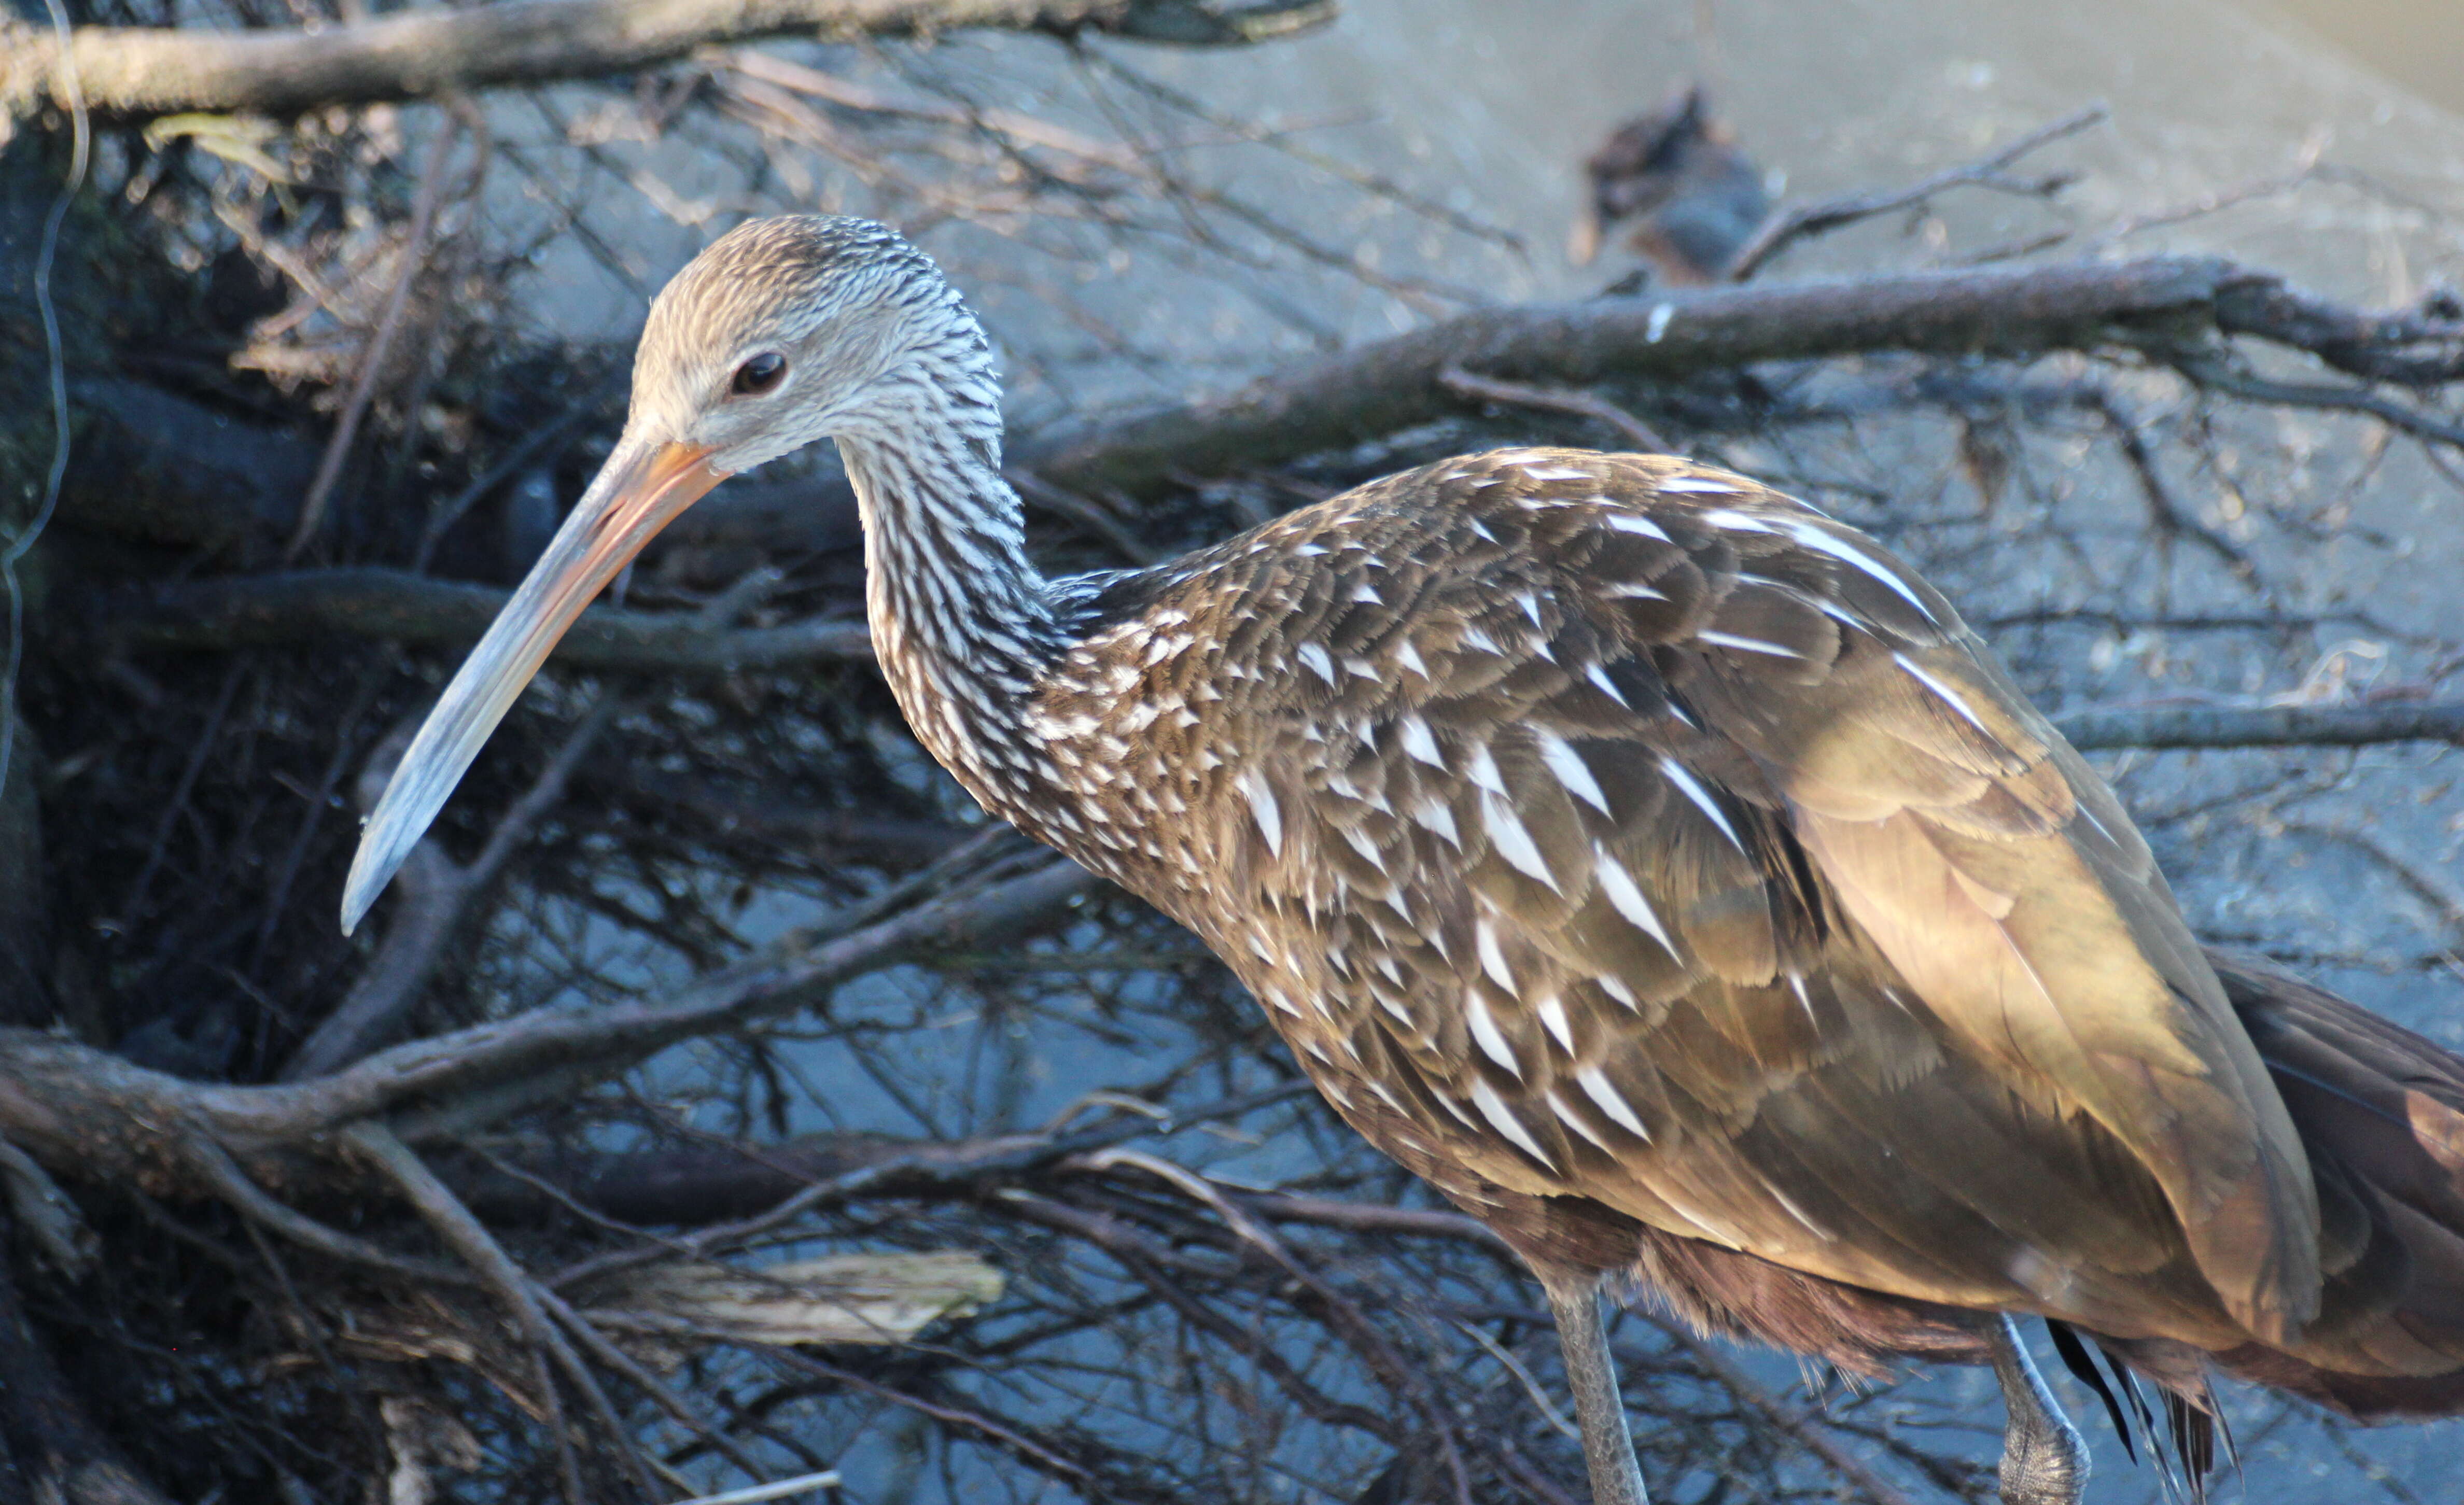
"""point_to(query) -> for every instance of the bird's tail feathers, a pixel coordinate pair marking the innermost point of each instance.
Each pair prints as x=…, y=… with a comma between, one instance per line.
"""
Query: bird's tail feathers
x=2381, y=1112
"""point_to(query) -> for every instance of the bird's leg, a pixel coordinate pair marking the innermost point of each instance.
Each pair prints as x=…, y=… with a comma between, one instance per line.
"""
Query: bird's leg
x=1583, y=1337
x=2044, y=1459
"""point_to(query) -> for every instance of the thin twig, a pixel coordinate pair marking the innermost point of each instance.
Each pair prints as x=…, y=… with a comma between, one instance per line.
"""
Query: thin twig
x=1344, y=1316
x=1555, y=399
x=2304, y=168
x=965, y=1166
x=588, y=1334
x=467, y=1236
x=1078, y=510
x=1009, y=1438
x=530, y=445
x=426, y=917
x=2171, y=518
x=1991, y=171
x=2439, y=899
x=132, y=912
x=223, y=1174
x=777, y=1489
x=2210, y=370
x=305, y=606
x=1794, y=1423
x=1374, y=184
x=380, y=345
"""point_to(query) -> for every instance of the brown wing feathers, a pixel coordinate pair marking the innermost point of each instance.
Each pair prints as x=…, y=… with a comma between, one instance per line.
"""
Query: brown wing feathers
x=1660, y=867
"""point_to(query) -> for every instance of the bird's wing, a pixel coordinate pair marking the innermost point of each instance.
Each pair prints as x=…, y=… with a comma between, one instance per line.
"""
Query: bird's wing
x=1621, y=828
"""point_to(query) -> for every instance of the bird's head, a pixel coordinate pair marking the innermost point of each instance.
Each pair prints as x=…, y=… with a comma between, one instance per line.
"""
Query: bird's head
x=800, y=328
x=783, y=332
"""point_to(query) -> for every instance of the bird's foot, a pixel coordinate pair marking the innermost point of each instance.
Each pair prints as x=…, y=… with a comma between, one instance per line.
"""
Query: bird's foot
x=2044, y=1459
x=2043, y=1468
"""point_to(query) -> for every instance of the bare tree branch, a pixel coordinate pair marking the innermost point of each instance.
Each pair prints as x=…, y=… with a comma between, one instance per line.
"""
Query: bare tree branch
x=304, y=605
x=132, y=71
x=702, y=1185
x=2174, y=308
x=87, y=1112
x=2224, y=376
x=1794, y=1421
x=2100, y=727
x=1376, y=389
x=1554, y=399
x=467, y=1236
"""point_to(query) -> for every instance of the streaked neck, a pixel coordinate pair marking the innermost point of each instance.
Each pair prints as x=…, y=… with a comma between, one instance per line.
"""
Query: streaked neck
x=962, y=623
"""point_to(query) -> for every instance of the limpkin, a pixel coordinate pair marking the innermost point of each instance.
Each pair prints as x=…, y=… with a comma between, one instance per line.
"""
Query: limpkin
x=1659, y=868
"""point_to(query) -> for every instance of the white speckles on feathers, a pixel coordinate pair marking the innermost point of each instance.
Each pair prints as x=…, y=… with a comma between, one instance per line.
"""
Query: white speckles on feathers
x=1946, y=695
x=1265, y=809
x=1822, y=541
x=1626, y=898
x=1629, y=522
x=1560, y=758
x=1575, y=1120
x=1471, y=776
x=1493, y=1108
x=1551, y=1010
x=1513, y=842
x=1596, y=1087
x=1484, y=1033
x=1730, y=639
x=1482, y=769
x=1492, y=959
x=1699, y=485
x=1692, y=788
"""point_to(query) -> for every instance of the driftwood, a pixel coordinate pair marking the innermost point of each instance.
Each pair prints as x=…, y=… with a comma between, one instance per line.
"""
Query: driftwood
x=1376, y=389
x=132, y=71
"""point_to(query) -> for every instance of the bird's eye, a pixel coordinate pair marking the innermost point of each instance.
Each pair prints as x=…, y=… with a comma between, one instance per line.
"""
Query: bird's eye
x=760, y=373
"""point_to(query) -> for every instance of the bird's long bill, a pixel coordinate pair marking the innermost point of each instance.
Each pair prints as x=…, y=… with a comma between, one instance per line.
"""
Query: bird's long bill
x=640, y=491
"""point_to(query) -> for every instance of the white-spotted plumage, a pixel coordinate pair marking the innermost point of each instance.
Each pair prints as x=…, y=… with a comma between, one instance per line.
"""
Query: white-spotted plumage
x=1656, y=866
